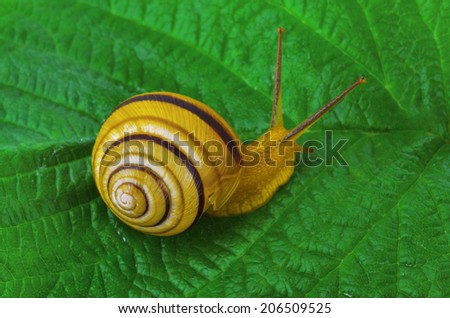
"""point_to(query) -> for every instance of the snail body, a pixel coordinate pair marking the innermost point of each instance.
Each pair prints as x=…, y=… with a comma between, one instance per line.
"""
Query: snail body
x=162, y=159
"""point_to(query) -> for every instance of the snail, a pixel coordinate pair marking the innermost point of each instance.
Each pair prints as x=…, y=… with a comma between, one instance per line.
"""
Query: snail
x=162, y=159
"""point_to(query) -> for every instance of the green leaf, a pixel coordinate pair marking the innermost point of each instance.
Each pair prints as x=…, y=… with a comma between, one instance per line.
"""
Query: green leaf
x=377, y=227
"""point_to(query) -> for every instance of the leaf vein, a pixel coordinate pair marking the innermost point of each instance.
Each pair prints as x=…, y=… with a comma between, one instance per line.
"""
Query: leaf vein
x=383, y=215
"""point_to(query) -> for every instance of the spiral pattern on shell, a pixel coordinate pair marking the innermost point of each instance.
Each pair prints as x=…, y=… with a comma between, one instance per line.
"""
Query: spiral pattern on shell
x=150, y=162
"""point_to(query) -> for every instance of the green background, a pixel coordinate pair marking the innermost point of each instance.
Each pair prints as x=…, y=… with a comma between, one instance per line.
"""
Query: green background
x=377, y=228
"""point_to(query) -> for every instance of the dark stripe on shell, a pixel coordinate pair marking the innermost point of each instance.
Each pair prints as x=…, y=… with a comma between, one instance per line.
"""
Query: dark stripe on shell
x=206, y=117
